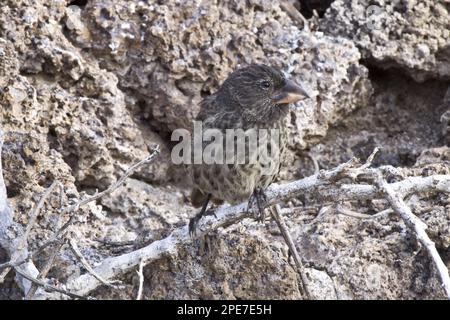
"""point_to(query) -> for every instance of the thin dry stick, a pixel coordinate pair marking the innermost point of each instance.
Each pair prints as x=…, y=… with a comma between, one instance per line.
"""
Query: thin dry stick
x=117, y=184
x=321, y=182
x=369, y=160
x=294, y=14
x=64, y=229
x=141, y=280
x=47, y=266
x=415, y=224
x=76, y=251
x=275, y=210
x=12, y=264
x=50, y=261
x=347, y=212
x=32, y=220
x=227, y=215
x=315, y=162
x=57, y=236
x=34, y=214
x=62, y=232
x=47, y=286
x=45, y=270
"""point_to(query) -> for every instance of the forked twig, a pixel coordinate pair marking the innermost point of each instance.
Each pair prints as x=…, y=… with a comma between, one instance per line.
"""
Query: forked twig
x=76, y=251
x=47, y=286
x=276, y=214
x=418, y=227
x=140, y=273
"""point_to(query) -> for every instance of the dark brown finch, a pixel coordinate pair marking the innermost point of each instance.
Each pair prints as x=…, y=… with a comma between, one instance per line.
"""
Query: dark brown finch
x=253, y=97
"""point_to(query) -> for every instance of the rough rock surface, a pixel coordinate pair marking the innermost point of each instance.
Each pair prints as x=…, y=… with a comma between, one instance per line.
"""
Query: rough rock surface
x=87, y=90
x=411, y=35
x=167, y=78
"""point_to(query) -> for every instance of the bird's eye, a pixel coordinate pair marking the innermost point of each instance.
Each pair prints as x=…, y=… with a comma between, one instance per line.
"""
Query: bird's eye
x=265, y=84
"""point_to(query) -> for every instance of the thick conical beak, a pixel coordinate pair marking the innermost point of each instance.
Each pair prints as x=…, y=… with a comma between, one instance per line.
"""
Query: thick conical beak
x=290, y=93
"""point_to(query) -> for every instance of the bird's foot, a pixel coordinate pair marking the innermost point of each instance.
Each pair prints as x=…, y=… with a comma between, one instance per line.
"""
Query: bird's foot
x=193, y=222
x=257, y=204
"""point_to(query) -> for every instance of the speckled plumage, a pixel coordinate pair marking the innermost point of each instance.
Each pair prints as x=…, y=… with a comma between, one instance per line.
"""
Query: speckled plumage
x=241, y=103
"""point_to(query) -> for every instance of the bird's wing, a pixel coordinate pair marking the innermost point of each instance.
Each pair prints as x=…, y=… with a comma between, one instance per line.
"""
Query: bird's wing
x=208, y=107
x=216, y=115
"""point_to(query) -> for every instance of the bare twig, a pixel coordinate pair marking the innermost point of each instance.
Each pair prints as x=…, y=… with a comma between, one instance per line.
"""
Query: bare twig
x=415, y=224
x=321, y=185
x=347, y=212
x=32, y=220
x=63, y=230
x=350, y=213
x=34, y=214
x=10, y=235
x=315, y=162
x=76, y=251
x=45, y=270
x=140, y=273
x=276, y=214
x=50, y=261
x=70, y=209
x=227, y=215
x=47, y=286
x=115, y=266
x=294, y=14
x=370, y=159
x=117, y=184
x=20, y=257
x=347, y=192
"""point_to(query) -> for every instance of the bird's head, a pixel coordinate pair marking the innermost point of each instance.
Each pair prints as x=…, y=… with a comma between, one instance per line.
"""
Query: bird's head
x=261, y=93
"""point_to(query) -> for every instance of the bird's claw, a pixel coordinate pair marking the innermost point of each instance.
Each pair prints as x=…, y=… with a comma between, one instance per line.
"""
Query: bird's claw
x=259, y=198
x=211, y=212
x=193, y=226
x=194, y=221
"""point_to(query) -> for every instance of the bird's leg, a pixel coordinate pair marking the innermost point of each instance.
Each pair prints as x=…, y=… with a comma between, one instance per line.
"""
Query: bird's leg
x=260, y=198
x=194, y=221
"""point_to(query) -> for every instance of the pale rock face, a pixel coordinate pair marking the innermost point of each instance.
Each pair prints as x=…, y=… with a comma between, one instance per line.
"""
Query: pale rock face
x=87, y=91
x=411, y=35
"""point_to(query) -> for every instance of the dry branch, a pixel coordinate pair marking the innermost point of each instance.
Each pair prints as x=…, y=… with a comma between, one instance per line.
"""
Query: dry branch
x=21, y=245
x=20, y=258
x=418, y=227
x=140, y=273
x=347, y=212
x=227, y=215
x=10, y=235
x=74, y=207
x=76, y=251
x=45, y=270
x=47, y=286
x=277, y=216
x=294, y=14
x=50, y=260
x=322, y=185
x=115, y=185
x=34, y=214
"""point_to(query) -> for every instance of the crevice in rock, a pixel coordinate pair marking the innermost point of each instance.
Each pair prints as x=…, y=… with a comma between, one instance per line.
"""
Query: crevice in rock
x=390, y=66
x=306, y=7
x=79, y=3
x=142, y=116
x=403, y=118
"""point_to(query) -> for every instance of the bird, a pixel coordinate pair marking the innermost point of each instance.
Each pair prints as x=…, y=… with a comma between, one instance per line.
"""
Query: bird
x=252, y=98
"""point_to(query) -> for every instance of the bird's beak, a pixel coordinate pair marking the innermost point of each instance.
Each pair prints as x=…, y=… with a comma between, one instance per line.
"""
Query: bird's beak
x=290, y=93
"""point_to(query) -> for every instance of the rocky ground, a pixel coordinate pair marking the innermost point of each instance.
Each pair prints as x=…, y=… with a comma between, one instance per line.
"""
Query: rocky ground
x=87, y=88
